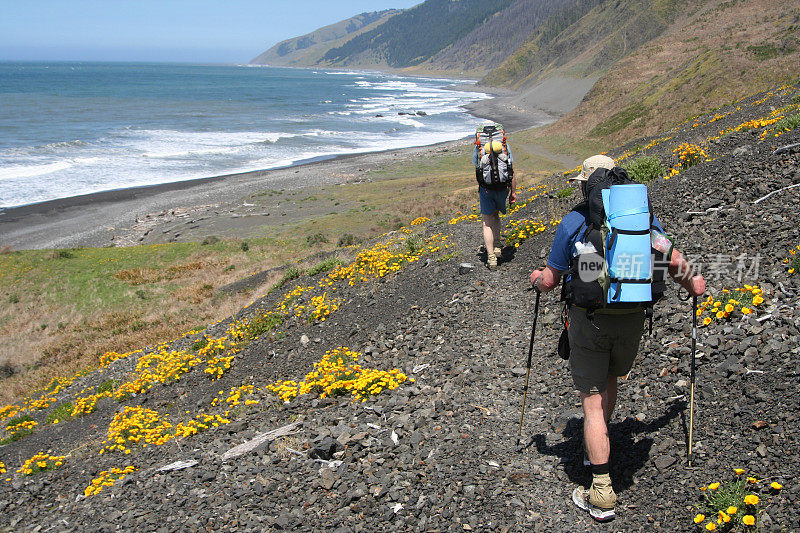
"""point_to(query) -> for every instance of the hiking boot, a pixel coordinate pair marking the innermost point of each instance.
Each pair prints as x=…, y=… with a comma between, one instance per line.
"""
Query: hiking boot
x=580, y=497
x=498, y=249
x=491, y=260
x=601, y=493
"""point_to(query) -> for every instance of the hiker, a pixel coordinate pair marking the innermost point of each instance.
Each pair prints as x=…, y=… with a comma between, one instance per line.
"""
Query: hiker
x=494, y=171
x=604, y=339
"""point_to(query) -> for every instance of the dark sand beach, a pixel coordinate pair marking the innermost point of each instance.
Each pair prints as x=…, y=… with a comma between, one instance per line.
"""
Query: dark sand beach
x=189, y=210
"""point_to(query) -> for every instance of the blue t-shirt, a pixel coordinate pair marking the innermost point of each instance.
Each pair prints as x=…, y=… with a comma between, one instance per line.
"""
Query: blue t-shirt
x=568, y=232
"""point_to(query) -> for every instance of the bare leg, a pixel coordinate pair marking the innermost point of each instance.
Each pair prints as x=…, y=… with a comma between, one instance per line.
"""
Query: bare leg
x=595, y=430
x=491, y=228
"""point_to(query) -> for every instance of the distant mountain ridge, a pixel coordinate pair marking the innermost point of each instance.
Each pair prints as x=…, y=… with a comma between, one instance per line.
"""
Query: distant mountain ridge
x=307, y=49
x=646, y=64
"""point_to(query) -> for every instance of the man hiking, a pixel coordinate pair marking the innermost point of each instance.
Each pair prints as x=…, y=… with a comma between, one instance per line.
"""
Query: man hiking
x=604, y=337
x=494, y=171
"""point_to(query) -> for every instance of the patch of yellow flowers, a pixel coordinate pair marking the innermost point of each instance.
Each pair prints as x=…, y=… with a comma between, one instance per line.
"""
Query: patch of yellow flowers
x=793, y=261
x=107, y=478
x=21, y=426
x=337, y=374
x=41, y=462
x=729, y=504
x=419, y=220
x=517, y=231
x=727, y=303
x=462, y=217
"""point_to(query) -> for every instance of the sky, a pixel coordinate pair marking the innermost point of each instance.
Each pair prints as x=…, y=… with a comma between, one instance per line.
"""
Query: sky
x=198, y=31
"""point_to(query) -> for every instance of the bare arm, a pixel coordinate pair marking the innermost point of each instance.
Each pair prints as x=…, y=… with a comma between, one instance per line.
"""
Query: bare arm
x=545, y=280
x=680, y=270
x=512, y=198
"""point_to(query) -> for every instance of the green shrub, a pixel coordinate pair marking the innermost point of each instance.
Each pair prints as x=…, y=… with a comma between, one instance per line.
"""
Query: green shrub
x=109, y=385
x=60, y=413
x=796, y=99
x=244, y=246
x=211, y=239
x=13, y=299
x=644, y=169
x=414, y=243
x=316, y=238
x=565, y=193
x=19, y=419
x=61, y=254
x=324, y=266
x=762, y=52
x=348, y=240
x=788, y=123
x=13, y=437
x=290, y=274
x=260, y=324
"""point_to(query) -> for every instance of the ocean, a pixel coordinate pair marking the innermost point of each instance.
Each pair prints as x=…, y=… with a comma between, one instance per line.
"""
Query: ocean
x=68, y=129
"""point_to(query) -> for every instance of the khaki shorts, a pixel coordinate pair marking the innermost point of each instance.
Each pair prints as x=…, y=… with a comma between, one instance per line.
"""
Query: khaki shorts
x=602, y=347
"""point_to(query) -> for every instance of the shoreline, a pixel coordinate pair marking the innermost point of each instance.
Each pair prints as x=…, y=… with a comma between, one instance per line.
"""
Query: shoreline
x=118, y=217
x=130, y=216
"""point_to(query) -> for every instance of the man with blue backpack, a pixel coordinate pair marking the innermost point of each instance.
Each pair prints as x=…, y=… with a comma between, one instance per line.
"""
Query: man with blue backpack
x=494, y=171
x=612, y=253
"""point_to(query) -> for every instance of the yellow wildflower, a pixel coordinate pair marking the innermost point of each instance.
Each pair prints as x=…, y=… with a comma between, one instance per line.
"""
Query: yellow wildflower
x=775, y=485
x=711, y=526
x=732, y=510
x=751, y=499
x=748, y=520
x=739, y=471
x=699, y=518
x=713, y=486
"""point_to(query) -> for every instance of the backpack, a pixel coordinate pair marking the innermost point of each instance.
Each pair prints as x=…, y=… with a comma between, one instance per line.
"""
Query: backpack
x=494, y=169
x=614, y=265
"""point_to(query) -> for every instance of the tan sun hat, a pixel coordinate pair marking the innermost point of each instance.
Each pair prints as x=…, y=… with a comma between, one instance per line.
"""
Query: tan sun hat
x=591, y=164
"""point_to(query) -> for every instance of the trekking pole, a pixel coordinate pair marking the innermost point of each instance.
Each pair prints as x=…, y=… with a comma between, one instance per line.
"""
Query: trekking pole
x=528, y=373
x=691, y=376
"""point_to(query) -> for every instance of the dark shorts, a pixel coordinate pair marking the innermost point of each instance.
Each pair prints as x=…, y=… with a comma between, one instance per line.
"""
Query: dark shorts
x=602, y=347
x=492, y=201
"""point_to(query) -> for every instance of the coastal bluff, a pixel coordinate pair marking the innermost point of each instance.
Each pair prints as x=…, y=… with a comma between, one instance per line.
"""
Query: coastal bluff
x=384, y=393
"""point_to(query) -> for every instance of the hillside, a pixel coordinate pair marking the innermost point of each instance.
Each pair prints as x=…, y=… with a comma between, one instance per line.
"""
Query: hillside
x=416, y=34
x=662, y=64
x=306, y=50
x=151, y=439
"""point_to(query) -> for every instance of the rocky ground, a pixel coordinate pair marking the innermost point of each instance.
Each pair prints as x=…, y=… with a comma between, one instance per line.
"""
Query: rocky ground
x=440, y=454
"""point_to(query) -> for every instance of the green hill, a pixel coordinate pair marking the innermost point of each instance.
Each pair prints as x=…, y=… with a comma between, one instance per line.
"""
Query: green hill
x=306, y=50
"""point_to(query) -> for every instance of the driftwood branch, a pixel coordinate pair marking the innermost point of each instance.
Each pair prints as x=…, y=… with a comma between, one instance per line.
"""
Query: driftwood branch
x=787, y=148
x=249, y=446
x=776, y=192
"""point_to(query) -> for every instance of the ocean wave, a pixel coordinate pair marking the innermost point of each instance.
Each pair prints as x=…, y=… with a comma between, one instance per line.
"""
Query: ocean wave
x=29, y=171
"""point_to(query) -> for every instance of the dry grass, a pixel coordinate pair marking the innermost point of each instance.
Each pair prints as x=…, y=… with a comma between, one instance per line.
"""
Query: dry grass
x=139, y=276
x=42, y=340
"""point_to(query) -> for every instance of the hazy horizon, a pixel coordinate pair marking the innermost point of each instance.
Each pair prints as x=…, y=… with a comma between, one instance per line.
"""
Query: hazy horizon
x=180, y=31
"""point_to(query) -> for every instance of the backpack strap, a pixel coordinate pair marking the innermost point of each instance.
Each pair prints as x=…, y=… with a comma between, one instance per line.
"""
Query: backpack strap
x=572, y=237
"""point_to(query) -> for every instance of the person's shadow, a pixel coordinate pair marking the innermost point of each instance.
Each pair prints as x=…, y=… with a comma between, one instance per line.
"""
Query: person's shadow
x=628, y=455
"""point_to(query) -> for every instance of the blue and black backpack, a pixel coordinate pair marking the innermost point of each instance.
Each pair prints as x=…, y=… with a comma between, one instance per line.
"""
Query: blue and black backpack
x=614, y=265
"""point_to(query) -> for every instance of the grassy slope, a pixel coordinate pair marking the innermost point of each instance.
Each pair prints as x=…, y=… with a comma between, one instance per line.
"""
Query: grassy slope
x=63, y=310
x=712, y=54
